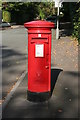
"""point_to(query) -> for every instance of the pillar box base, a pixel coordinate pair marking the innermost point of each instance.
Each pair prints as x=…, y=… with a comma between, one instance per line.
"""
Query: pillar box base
x=38, y=96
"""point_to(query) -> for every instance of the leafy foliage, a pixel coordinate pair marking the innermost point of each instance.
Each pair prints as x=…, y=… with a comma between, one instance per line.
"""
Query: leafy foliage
x=22, y=12
x=76, y=23
x=0, y=4
x=71, y=12
x=46, y=9
x=0, y=11
x=6, y=16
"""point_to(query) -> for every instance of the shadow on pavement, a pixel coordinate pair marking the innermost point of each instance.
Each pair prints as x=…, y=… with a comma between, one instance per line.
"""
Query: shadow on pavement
x=65, y=29
x=65, y=32
x=11, y=62
x=62, y=104
x=54, y=75
x=9, y=57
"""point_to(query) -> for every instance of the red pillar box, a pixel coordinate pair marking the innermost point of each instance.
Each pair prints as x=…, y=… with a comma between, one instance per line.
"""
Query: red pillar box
x=39, y=60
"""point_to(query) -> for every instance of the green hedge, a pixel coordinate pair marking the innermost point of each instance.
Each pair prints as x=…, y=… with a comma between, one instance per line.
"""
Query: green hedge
x=6, y=16
x=76, y=32
x=76, y=24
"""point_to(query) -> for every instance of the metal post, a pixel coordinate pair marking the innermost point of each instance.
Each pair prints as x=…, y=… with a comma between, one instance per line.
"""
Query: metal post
x=57, y=30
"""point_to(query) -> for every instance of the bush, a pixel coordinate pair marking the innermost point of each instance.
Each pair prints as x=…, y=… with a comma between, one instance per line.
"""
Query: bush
x=6, y=16
x=76, y=24
x=76, y=32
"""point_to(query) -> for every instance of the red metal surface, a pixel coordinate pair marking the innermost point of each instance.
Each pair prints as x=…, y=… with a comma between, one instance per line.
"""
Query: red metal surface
x=39, y=68
x=39, y=23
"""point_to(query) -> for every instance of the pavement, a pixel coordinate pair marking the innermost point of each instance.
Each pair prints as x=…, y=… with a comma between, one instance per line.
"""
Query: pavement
x=14, y=57
x=62, y=104
x=64, y=85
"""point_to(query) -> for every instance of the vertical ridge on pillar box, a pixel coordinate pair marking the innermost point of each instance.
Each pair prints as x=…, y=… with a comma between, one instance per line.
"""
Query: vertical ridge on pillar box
x=39, y=56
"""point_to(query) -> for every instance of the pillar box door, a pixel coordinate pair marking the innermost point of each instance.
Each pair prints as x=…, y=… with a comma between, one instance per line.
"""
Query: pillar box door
x=39, y=59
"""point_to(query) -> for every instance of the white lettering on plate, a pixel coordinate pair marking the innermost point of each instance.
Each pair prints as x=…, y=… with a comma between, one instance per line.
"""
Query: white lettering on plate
x=39, y=50
x=39, y=35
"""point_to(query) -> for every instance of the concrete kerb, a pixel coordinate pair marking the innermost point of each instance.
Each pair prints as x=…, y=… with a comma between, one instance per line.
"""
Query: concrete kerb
x=16, y=26
x=9, y=96
x=12, y=27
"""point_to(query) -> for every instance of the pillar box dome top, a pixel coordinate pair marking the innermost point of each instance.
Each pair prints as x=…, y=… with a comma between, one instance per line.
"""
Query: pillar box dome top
x=39, y=24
